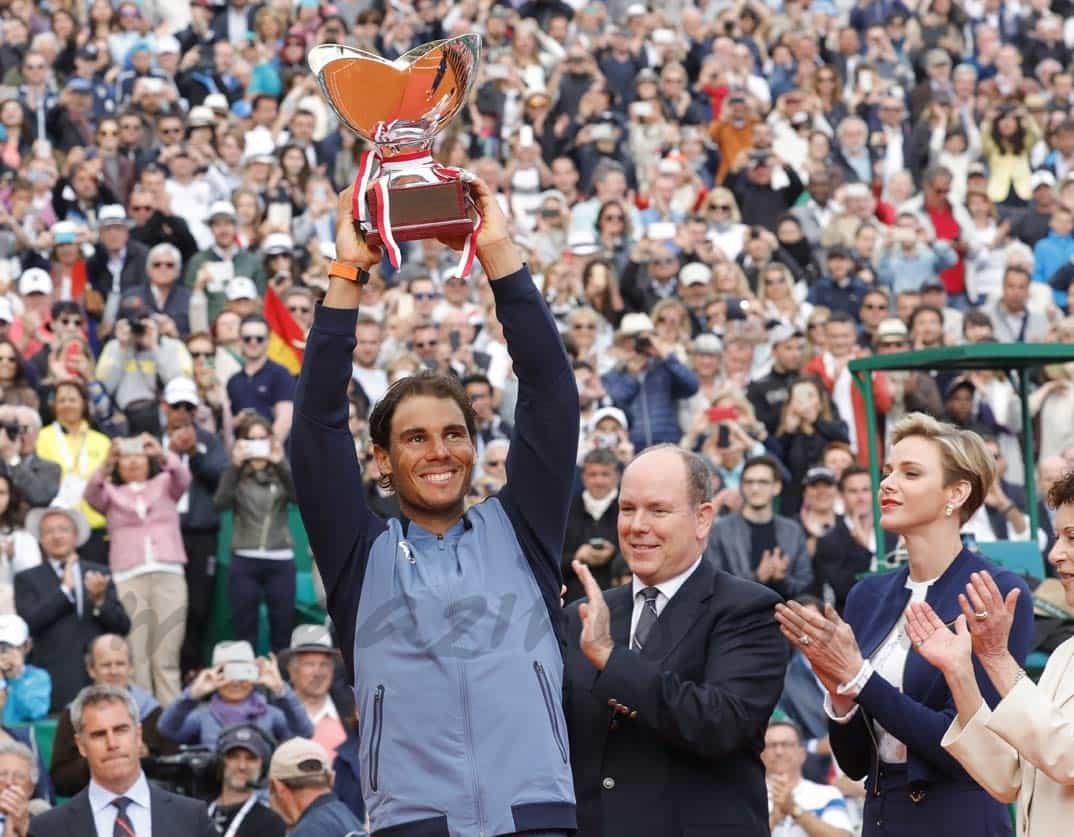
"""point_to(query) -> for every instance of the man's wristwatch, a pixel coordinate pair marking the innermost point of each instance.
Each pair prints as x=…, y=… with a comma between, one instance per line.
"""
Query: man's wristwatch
x=350, y=272
x=796, y=812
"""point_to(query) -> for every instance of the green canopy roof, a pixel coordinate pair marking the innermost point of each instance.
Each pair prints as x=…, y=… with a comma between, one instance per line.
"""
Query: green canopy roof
x=1011, y=356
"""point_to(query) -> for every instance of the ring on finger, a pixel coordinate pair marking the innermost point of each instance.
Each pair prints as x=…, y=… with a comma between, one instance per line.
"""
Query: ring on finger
x=980, y=616
x=804, y=640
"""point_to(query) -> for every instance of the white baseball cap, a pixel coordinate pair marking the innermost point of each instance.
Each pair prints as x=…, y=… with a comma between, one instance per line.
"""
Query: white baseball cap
x=608, y=412
x=276, y=243
x=220, y=209
x=695, y=273
x=13, y=630
x=181, y=391
x=633, y=324
x=241, y=287
x=35, y=281
x=112, y=215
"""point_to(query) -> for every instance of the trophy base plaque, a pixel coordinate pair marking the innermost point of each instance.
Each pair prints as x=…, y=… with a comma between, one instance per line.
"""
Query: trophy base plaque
x=423, y=210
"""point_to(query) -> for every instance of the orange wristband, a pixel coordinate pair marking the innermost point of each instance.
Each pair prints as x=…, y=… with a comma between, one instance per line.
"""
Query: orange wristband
x=345, y=270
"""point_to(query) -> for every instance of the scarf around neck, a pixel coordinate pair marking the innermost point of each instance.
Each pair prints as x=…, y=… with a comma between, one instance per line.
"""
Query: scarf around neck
x=247, y=710
x=595, y=508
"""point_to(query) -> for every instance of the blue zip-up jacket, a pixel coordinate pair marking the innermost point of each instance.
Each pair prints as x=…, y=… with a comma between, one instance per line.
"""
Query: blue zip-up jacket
x=453, y=641
x=651, y=402
x=1049, y=254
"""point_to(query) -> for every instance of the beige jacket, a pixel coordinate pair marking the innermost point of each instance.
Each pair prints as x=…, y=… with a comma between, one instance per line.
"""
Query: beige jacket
x=1024, y=749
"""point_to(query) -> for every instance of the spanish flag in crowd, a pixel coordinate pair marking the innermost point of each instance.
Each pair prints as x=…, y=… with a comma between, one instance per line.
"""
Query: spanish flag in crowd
x=286, y=339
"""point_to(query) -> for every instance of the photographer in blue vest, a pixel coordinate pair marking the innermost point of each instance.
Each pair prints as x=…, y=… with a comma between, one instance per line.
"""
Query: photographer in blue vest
x=449, y=619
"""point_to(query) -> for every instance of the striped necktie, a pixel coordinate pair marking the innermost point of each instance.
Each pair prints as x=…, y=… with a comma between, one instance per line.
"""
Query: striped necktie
x=123, y=827
x=647, y=619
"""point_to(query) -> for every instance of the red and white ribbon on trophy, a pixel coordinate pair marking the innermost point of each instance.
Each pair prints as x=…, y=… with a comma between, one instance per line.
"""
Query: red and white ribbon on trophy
x=420, y=164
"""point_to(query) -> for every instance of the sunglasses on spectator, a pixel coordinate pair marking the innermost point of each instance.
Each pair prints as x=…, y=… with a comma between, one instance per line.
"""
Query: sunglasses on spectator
x=145, y=208
x=612, y=217
x=184, y=405
x=104, y=132
x=423, y=296
x=720, y=207
x=584, y=326
x=201, y=355
x=254, y=338
x=162, y=264
x=875, y=306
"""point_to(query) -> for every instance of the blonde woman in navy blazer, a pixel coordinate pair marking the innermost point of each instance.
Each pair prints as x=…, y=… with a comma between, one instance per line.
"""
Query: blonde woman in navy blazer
x=888, y=708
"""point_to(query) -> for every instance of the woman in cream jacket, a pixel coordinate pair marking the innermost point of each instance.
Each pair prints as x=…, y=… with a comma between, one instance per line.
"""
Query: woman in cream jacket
x=1023, y=748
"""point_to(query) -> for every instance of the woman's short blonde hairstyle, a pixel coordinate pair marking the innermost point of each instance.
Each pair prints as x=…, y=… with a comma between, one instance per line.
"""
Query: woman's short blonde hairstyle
x=963, y=456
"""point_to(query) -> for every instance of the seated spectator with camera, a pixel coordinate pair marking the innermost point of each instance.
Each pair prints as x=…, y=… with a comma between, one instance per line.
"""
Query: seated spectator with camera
x=138, y=489
x=243, y=753
x=235, y=689
x=108, y=662
x=65, y=601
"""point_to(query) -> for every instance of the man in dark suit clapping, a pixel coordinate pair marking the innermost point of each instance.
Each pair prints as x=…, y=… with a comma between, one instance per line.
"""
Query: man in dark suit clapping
x=65, y=601
x=671, y=679
x=119, y=800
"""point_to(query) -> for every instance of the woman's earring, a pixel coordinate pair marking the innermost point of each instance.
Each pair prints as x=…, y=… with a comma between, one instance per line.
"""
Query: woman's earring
x=949, y=510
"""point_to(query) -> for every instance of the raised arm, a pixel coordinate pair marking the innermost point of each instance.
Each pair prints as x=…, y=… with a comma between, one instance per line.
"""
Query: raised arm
x=544, y=444
x=328, y=480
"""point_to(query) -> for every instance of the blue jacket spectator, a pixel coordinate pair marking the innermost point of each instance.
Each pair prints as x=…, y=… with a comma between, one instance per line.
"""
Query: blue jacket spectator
x=909, y=267
x=1053, y=251
x=649, y=385
x=27, y=688
x=225, y=694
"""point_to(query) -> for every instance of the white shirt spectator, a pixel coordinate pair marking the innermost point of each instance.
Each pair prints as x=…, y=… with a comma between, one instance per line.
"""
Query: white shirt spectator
x=822, y=801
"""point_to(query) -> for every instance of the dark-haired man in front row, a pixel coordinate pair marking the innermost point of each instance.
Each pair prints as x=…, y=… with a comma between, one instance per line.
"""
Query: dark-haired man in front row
x=671, y=679
x=118, y=799
x=449, y=619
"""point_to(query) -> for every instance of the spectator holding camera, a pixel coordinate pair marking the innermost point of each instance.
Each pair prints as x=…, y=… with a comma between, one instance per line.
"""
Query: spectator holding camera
x=257, y=487
x=235, y=689
x=35, y=479
x=908, y=260
x=649, y=384
x=592, y=537
x=138, y=489
x=136, y=364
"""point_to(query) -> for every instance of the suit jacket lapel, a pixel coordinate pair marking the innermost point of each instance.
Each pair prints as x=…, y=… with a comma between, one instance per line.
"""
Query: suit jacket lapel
x=740, y=544
x=680, y=613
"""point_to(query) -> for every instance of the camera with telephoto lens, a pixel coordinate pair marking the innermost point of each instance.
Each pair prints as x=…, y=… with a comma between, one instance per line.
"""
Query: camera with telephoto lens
x=12, y=429
x=642, y=344
x=190, y=772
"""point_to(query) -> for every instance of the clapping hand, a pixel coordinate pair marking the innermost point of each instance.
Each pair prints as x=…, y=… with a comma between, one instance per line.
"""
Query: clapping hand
x=596, y=639
x=988, y=616
x=942, y=648
x=774, y=565
x=826, y=641
x=96, y=585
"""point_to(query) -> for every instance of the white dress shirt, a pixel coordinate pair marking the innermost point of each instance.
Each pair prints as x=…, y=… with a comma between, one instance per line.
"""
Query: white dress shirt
x=667, y=589
x=104, y=812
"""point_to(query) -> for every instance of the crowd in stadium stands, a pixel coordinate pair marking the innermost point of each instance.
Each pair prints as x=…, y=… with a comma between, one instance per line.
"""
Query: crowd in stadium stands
x=722, y=203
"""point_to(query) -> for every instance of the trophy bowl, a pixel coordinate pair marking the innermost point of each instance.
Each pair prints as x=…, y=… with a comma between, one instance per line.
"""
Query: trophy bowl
x=400, y=106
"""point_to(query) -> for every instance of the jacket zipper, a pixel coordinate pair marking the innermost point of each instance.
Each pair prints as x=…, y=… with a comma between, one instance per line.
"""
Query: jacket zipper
x=268, y=517
x=378, y=732
x=465, y=694
x=550, y=706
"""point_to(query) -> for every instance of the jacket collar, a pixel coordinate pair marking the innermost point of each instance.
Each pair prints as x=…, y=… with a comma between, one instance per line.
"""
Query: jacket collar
x=675, y=619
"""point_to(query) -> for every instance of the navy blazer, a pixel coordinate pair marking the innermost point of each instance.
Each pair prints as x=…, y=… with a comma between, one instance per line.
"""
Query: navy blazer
x=920, y=714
